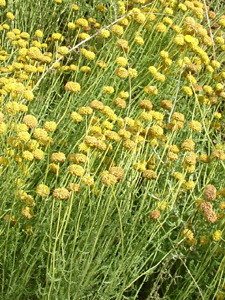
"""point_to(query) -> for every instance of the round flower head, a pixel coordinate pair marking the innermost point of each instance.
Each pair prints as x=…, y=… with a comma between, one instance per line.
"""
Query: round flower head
x=107, y=178
x=117, y=29
x=166, y=104
x=123, y=45
x=172, y=156
x=73, y=187
x=34, y=53
x=204, y=158
x=27, y=155
x=40, y=134
x=73, y=87
x=82, y=22
x=178, y=116
x=27, y=212
x=10, y=16
x=76, y=117
x=120, y=103
x=210, y=216
x=12, y=107
x=78, y=158
x=88, y=180
x=149, y=174
x=189, y=185
x=191, y=158
x=3, y=127
x=2, y=3
x=155, y=214
x=195, y=125
x=132, y=73
x=102, y=64
x=156, y=131
x=56, y=36
x=43, y=190
x=151, y=90
x=128, y=144
x=88, y=54
x=63, y=50
x=188, y=234
x=85, y=110
x=118, y=172
x=50, y=126
x=61, y=193
x=76, y=170
x=38, y=33
x=210, y=192
x=108, y=90
x=188, y=145
x=28, y=95
x=146, y=104
x=97, y=105
x=121, y=61
x=58, y=157
x=139, y=40
x=24, y=136
x=105, y=33
x=121, y=72
x=217, y=235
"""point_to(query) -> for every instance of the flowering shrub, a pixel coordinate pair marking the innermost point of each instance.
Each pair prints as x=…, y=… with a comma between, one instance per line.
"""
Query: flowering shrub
x=112, y=149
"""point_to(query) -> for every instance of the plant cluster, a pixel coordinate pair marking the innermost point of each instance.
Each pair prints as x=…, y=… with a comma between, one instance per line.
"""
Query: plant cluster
x=112, y=150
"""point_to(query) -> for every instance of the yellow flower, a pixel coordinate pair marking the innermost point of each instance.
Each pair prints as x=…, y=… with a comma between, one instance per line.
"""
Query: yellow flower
x=88, y=54
x=34, y=53
x=10, y=16
x=108, y=90
x=28, y=95
x=151, y=90
x=121, y=72
x=82, y=22
x=50, y=126
x=188, y=91
x=121, y=61
x=75, y=7
x=161, y=28
x=73, y=87
x=56, y=36
x=27, y=155
x=195, y=125
x=123, y=45
x=3, y=127
x=2, y=3
x=217, y=235
x=84, y=36
x=73, y=187
x=24, y=136
x=12, y=107
x=63, y=50
x=43, y=190
x=188, y=234
x=27, y=212
x=88, y=180
x=76, y=170
x=105, y=33
x=132, y=73
x=117, y=29
x=58, y=157
x=61, y=193
x=107, y=178
x=76, y=117
x=139, y=40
